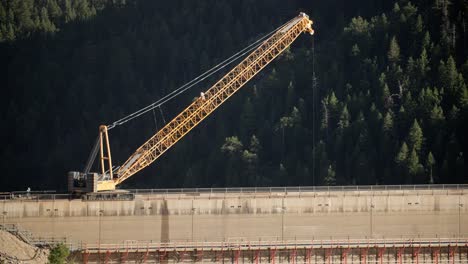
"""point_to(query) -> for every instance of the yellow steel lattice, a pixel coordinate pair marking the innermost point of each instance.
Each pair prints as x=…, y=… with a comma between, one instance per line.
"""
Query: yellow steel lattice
x=214, y=97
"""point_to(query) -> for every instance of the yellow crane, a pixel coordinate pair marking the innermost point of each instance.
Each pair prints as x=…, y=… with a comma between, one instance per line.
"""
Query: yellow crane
x=189, y=118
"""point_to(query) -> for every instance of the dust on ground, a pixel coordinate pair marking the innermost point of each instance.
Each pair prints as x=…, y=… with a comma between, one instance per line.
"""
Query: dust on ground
x=14, y=250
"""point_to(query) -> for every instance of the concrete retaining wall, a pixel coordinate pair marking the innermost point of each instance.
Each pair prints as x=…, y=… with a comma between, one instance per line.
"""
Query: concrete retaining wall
x=258, y=203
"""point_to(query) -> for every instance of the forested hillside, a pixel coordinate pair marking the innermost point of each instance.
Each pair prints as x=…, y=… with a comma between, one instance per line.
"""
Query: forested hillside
x=378, y=96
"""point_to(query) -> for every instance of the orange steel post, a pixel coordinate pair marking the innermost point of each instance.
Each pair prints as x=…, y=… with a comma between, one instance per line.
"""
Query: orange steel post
x=200, y=255
x=182, y=255
x=145, y=258
x=452, y=254
x=380, y=254
x=106, y=259
x=257, y=256
x=328, y=252
x=214, y=97
x=364, y=252
x=416, y=254
x=399, y=254
x=292, y=256
x=124, y=256
x=85, y=256
x=272, y=255
x=308, y=254
x=344, y=255
x=435, y=255
x=220, y=255
x=162, y=255
x=236, y=255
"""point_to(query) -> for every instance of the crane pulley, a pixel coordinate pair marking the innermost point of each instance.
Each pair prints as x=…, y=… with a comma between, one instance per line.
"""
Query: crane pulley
x=191, y=116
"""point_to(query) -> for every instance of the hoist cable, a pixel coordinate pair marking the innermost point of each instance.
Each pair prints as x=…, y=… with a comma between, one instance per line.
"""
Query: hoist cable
x=176, y=92
x=195, y=81
x=162, y=115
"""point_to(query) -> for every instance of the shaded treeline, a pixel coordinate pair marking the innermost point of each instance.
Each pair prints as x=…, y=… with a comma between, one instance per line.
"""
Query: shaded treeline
x=387, y=105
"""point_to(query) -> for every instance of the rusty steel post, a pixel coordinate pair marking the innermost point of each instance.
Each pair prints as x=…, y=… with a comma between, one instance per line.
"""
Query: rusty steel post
x=380, y=254
x=435, y=255
x=364, y=252
x=344, y=255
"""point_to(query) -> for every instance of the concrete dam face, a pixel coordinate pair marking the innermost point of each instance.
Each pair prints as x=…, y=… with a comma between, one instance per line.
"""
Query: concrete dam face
x=247, y=216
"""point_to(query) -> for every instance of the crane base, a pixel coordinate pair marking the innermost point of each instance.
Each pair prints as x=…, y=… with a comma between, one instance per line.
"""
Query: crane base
x=108, y=196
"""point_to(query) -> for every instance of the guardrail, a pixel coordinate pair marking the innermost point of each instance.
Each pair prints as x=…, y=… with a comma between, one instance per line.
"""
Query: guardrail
x=52, y=195
x=248, y=245
x=29, y=238
x=250, y=190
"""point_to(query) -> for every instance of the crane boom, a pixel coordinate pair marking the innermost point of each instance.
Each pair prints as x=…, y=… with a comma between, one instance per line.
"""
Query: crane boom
x=209, y=101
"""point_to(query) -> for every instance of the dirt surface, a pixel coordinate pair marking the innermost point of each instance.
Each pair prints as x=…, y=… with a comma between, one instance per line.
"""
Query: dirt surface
x=14, y=250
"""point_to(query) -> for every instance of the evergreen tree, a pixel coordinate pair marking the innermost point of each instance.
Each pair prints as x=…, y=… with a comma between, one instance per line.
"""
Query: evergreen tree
x=69, y=11
x=413, y=166
x=59, y=254
x=343, y=122
x=53, y=9
x=387, y=124
x=330, y=179
x=401, y=161
x=394, y=51
x=415, y=137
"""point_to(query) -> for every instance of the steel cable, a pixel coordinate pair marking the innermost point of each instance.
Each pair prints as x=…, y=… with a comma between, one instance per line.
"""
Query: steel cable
x=193, y=82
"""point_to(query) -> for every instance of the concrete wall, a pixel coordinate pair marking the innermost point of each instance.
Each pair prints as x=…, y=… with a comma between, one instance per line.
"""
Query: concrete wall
x=254, y=216
x=259, y=203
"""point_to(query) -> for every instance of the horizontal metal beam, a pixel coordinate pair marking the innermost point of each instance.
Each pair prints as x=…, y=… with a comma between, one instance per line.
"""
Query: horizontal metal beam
x=291, y=244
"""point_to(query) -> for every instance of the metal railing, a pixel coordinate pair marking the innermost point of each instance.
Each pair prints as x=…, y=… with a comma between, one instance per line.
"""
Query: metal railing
x=52, y=195
x=29, y=238
x=297, y=189
x=256, y=244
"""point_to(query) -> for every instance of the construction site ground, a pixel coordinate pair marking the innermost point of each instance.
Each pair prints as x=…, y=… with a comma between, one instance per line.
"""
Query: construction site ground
x=14, y=250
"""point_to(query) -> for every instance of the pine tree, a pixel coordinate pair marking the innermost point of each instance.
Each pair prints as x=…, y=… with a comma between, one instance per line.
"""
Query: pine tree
x=232, y=145
x=333, y=104
x=384, y=90
x=53, y=9
x=414, y=167
x=393, y=51
x=355, y=51
x=437, y=115
x=82, y=9
x=330, y=179
x=46, y=24
x=415, y=137
x=325, y=118
x=426, y=42
x=423, y=63
x=387, y=124
x=69, y=11
x=401, y=161
x=343, y=122
x=254, y=146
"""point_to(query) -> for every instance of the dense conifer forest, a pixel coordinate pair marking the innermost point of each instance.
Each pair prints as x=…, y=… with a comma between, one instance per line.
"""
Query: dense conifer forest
x=377, y=96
